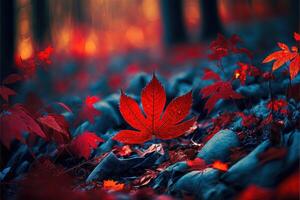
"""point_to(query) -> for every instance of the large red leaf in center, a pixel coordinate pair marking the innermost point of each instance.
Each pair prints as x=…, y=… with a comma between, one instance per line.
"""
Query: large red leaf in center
x=152, y=121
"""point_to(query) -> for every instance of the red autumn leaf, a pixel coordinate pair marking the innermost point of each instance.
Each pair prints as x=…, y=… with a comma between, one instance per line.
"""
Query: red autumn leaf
x=244, y=70
x=297, y=36
x=83, y=144
x=162, y=125
x=196, y=164
x=45, y=54
x=278, y=105
x=220, y=165
x=88, y=110
x=113, y=185
x=91, y=100
x=283, y=56
x=16, y=121
x=272, y=153
x=6, y=92
x=210, y=75
x=12, y=78
x=248, y=120
x=217, y=91
x=221, y=47
x=56, y=126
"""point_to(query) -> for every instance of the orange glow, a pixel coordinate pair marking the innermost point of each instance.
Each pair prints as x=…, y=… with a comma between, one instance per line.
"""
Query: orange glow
x=220, y=165
x=135, y=36
x=91, y=44
x=150, y=10
x=25, y=49
x=191, y=13
x=63, y=39
x=237, y=75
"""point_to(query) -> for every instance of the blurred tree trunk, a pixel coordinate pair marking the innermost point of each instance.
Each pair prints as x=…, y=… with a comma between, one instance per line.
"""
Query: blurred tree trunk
x=295, y=15
x=40, y=22
x=211, y=23
x=7, y=37
x=79, y=11
x=173, y=23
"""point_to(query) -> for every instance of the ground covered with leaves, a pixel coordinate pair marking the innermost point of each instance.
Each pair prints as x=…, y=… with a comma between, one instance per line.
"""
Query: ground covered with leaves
x=222, y=124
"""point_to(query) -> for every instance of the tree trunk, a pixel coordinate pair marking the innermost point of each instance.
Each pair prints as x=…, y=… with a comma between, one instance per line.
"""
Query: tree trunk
x=40, y=22
x=173, y=23
x=211, y=23
x=7, y=37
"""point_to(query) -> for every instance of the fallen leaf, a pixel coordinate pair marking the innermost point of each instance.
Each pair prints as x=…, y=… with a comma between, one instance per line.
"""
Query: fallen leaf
x=83, y=144
x=15, y=122
x=113, y=185
x=156, y=123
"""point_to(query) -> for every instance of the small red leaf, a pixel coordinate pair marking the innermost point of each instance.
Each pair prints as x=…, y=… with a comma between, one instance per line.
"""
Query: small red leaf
x=83, y=144
x=58, y=127
x=16, y=121
x=217, y=91
x=297, y=36
x=210, y=75
x=6, y=92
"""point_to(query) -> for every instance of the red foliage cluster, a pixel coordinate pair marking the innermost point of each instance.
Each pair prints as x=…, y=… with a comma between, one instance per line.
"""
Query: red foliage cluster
x=221, y=47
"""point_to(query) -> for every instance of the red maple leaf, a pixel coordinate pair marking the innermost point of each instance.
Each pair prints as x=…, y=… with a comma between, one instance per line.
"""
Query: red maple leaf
x=6, y=92
x=210, y=75
x=156, y=123
x=83, y=144
x=56, y=127
x=16, y=121
x=283, y=56
x=217, y=91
